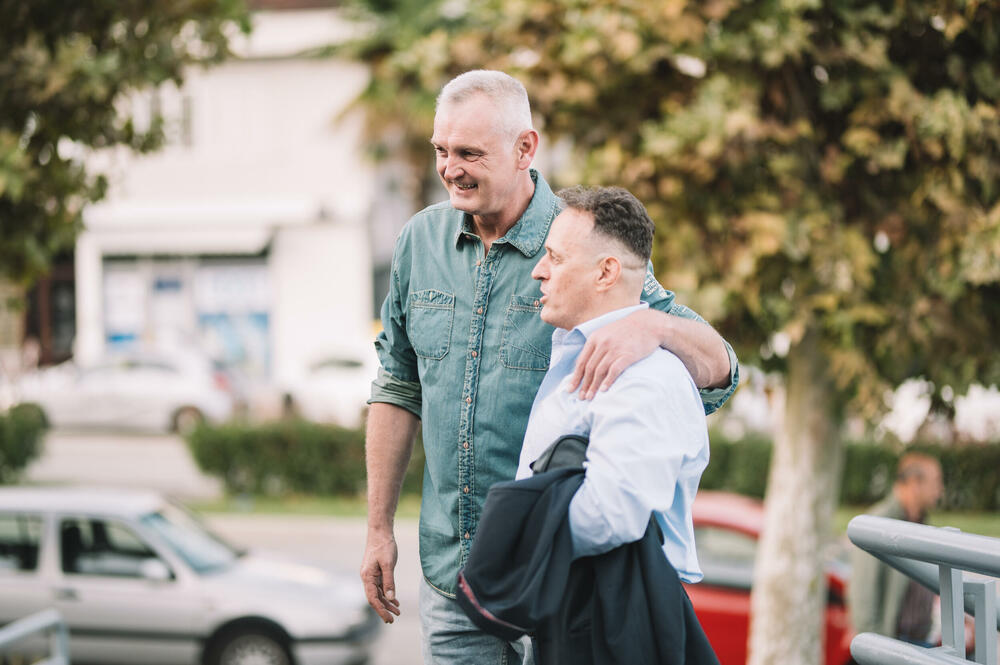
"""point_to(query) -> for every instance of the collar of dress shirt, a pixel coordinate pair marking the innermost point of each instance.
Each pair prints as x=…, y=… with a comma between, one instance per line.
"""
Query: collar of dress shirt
x=587, y=328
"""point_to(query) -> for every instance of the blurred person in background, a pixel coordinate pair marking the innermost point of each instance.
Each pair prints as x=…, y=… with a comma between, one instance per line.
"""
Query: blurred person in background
x=463, y=351
x=880, y=598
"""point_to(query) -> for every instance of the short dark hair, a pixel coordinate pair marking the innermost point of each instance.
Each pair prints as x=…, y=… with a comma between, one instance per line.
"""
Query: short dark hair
x=617, y=214
x=915, y=465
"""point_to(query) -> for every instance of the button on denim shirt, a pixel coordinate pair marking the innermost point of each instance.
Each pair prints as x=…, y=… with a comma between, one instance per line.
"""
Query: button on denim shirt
x=463, y=347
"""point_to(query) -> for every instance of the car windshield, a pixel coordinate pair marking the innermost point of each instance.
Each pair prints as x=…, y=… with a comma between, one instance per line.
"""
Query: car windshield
x=185, y=534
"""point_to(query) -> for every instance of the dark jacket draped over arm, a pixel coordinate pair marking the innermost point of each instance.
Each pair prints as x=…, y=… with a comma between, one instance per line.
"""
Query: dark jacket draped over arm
x=626, y=606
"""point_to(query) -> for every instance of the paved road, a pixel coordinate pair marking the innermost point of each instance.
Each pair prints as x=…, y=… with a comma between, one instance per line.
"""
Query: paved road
x=160, y=462
x=338, y=542
x=163, y=463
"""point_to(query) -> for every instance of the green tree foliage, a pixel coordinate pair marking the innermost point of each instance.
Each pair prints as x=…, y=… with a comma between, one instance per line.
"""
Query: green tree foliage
x=407, y=74
x=813, y=166
x=290, y=456
x=825, y=176
x=65, y=71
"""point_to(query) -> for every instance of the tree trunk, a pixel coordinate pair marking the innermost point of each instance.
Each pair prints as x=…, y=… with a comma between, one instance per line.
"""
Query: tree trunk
x=789, y=588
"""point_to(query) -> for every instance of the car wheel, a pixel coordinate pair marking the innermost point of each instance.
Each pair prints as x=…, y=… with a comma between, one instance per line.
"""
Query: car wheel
x=251, y=649
x=187, y=419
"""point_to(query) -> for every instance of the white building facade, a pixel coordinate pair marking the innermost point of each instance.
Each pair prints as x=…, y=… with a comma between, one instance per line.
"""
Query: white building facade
x=247, y=235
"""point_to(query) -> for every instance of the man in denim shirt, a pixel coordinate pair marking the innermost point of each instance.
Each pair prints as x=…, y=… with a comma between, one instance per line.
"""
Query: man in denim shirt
x=463, y=351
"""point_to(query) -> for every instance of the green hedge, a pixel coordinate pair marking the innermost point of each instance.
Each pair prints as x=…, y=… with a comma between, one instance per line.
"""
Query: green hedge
x=971, y=475
x=289, y=456
x=971, y=472
x=21, y=431
x=869, y=471
x=301, y=457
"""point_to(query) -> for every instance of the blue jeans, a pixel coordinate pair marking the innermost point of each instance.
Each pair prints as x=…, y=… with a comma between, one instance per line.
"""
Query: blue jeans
x=450, y=638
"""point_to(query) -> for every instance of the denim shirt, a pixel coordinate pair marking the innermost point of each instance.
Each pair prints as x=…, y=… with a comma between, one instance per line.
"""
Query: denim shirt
x=463, y=348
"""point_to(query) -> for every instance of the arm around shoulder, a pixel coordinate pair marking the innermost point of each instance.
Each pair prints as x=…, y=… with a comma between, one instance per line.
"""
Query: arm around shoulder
x=709, y=358
x=706, y=356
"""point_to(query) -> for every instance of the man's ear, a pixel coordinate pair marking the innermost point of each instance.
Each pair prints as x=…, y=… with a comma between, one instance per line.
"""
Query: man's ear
x=526, y=146
x=609, y=271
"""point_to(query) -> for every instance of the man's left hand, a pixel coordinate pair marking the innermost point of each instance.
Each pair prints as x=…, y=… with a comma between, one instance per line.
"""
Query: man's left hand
x=612, y=348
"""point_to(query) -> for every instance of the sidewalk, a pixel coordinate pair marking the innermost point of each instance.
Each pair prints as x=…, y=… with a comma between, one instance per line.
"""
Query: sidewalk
x=149, y=461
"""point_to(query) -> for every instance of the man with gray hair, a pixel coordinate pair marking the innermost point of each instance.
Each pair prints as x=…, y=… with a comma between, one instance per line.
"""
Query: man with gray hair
x=463, y=351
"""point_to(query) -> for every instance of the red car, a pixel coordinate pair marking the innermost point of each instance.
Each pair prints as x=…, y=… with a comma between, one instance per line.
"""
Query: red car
x=726, y=529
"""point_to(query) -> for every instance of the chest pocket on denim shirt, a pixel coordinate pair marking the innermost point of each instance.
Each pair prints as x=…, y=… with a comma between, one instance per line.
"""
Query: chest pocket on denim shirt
x=526, y=341
x=429, y=322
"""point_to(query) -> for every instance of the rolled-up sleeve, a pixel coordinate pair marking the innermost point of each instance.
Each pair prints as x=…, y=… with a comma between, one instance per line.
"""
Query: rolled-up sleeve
x=663, y=300
x=387, y=389
x=398, y=381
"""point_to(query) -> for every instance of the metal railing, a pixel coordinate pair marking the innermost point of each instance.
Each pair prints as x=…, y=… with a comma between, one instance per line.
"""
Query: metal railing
x=937, y=558
x=46, y=621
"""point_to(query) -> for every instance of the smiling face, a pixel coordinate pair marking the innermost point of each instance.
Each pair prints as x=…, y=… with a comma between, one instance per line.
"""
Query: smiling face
x=478, y=164
x=569, y=270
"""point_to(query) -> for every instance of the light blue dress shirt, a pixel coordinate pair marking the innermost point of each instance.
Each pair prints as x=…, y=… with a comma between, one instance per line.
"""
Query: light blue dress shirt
x=648, y=448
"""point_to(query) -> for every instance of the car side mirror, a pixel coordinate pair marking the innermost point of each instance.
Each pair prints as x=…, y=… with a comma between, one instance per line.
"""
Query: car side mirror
x=154, y=570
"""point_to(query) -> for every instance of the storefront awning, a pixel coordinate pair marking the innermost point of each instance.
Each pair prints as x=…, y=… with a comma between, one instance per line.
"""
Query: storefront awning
x=184, y=241
x=216, y=227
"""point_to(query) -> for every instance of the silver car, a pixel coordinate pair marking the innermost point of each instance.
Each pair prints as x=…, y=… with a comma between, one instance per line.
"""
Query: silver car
x=135, y=390
x=334, y=388
x=138, y=579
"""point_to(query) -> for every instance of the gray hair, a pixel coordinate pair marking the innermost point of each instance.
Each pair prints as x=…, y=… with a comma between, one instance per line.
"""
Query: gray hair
x=505, y=91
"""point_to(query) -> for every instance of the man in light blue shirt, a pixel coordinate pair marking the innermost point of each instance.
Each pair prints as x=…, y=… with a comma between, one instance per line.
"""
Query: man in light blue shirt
x=648, y=436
